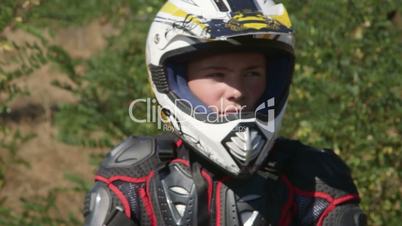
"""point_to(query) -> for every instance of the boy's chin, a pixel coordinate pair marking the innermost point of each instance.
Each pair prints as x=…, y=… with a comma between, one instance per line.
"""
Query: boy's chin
x=233, y=112
x=226, y=113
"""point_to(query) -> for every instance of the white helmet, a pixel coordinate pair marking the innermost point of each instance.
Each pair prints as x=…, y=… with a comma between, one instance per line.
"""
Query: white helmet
x=237, y=143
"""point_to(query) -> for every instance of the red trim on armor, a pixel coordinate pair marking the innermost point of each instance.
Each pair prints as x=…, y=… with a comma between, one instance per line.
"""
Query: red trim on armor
x=118, y=193
x=285, y=220
x=145, y=196
x=217, y=203
x=286, y=212
x=102, y=179
x=182, y=161
x=209, y=181
x=150, y=208
x=179, y=143
x=122, y=198
x=122, y=178
x=334, y=203
x=346, y=198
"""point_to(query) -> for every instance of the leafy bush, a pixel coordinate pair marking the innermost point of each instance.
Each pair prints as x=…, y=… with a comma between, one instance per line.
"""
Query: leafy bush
x=96, y=111
x=346, y=94
x=16, y=60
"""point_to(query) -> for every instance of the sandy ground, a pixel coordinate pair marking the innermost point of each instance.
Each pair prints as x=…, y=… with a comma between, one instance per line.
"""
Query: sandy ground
x=49, y=159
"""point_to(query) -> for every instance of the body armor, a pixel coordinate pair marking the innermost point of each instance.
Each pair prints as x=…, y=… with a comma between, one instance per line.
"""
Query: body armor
x=158, y=181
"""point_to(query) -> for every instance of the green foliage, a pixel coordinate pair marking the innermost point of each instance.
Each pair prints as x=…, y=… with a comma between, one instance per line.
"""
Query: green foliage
x=105, y=87
x=16, y=60
x=346, y=94
x=113, y=78
x=40, y=211
x=6, y=12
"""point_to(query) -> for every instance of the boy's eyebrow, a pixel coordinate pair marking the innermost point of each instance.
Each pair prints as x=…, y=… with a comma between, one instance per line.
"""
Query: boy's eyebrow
x=225, y=68
x=253, y=67
x=213, y=67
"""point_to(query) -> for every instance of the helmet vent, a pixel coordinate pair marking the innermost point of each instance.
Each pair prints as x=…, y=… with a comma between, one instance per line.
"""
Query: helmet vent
x=159, y=78
x=221, y=5
x=245, y=144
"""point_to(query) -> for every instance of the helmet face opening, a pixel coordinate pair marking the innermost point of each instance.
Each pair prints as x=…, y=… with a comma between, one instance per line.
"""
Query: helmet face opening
x=278, y=78
x=184, y=31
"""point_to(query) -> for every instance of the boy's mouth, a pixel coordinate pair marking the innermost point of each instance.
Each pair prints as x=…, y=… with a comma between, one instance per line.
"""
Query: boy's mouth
x=229, y=111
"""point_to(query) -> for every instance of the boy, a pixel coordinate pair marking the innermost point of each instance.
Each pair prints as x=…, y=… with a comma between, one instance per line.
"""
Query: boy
x=221, y=70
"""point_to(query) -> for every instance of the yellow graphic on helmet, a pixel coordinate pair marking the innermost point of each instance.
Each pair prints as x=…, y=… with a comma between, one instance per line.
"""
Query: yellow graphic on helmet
x=173, y=10
x=252, y=21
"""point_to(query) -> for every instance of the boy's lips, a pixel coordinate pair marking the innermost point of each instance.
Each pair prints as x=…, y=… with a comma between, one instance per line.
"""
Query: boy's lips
x=230, y=111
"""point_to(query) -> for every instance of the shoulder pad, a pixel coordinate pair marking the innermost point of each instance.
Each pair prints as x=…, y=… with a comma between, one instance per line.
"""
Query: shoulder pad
x=132, y=151
x=348, y=214
x=315, y=170
x=137, y=156
x=101, y=207
x=98, y=205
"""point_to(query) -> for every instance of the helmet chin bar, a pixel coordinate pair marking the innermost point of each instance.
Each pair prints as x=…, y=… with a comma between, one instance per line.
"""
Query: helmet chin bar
x=238, y=147
x=244, y=143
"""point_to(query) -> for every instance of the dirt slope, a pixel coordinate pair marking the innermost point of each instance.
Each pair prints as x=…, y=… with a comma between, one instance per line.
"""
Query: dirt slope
x=48, y=158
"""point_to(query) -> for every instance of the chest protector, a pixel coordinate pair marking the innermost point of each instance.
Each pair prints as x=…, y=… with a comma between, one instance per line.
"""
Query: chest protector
x=151, y=181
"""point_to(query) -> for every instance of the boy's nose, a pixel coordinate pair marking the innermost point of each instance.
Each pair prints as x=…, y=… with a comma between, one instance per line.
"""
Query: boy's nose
x=234, y=92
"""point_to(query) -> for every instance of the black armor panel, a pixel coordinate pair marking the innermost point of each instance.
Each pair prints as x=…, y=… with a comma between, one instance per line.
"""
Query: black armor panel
x=298, y=185
x=346, y=215
x=245, y=203
x=134, y=157
x=176, y=193
x=315, y=169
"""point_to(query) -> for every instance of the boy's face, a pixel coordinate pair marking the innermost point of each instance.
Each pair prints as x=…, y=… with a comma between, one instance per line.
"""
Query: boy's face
x=228, y=82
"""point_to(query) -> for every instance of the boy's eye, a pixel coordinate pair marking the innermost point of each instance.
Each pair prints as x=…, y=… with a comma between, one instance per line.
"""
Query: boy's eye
x=253, y=74
x=216, y=75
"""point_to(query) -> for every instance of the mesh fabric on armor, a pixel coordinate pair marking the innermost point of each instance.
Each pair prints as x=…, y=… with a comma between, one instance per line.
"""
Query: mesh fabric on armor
x=143, y=219
x=347, y=214
x=130, y=191
x=87, y=204
x=310, y=209
x=139, y=170
x=333, y=192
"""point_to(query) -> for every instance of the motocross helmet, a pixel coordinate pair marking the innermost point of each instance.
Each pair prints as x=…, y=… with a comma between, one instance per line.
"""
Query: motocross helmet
x=184, y=29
